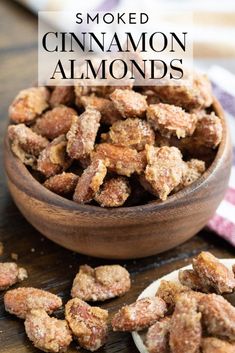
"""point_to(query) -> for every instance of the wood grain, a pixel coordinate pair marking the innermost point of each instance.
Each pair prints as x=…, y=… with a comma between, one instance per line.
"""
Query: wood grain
x=52, y=267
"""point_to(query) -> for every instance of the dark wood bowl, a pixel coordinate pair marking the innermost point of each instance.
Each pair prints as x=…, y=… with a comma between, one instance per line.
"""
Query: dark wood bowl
x=127, y=232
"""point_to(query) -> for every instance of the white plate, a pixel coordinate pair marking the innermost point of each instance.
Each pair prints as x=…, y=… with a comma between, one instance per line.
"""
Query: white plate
x=151, y=290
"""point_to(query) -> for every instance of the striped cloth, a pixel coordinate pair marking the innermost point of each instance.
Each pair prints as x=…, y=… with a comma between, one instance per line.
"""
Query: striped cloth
x=223, y=222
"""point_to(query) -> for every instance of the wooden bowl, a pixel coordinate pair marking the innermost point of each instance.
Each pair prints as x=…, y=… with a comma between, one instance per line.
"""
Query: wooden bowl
x=127, y=232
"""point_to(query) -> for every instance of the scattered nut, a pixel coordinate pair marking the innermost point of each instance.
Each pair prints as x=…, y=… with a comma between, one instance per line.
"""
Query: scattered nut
x=24, y=299
x=88, y=324
x=100, y=283
x=47, y=333
x=10, y=274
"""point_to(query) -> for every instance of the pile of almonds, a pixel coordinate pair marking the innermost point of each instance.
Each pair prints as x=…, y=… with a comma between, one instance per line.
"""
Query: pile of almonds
x=116, y=146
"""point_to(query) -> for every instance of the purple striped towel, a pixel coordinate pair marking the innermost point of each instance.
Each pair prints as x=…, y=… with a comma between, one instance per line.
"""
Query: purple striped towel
x=223, y=222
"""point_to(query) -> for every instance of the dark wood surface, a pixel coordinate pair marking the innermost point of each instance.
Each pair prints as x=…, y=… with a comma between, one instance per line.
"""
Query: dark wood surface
x=51, y=267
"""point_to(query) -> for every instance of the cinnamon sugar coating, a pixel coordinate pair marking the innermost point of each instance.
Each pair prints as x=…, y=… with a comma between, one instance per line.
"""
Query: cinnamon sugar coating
x=55, y=122
x=26, y=144
x=54, y=159
x=88, y=324
x=165, y=169
x=62, y=184
x=11, y=273
x=213, y=273
x=100, y=283
x=121, y=160
x=114, y=192
x=171, y=120
x=134, y=133
x=90, y=181
x=139, y=315
x=22, y=300
x=129, y=103
x=157, y=337
x=82, y=134
x=47, y=333
x=185, y=329
x=28, y=104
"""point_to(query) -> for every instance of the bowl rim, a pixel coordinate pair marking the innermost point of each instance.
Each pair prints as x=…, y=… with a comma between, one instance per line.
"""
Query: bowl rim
x=36, y=190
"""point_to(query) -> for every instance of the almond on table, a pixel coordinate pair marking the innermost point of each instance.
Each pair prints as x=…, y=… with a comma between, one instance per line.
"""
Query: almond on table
x=88, y=324
x=62, y=184
x=54, y=159
x=213, y=273
x=114, y=192
x=218, y=316
x=185, y=329
x=26, y=144
x=139, y=315
x=24, y=299
x=47, y=333
x=62, y=95
x=55, y=122
x=171, y=120
x=90, y=181
x=100, y=283
x=129, y=103
x=165, y=169
x=11, y=273
x=28, y=104
x=215, y=345
x=82, y=134
x=109, y=114
x=157, y=337
x=121, y=160
x=134, y=133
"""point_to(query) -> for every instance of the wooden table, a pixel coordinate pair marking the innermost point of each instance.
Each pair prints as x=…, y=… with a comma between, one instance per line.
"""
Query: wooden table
x=51, y=267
